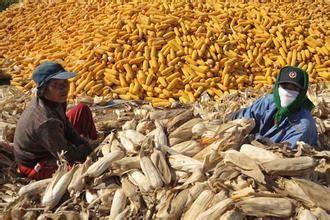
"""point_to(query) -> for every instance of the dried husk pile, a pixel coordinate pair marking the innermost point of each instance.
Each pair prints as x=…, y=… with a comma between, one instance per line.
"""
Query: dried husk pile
x=182, y=163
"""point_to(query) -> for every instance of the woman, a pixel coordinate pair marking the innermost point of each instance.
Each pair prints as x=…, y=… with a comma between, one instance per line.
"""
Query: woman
x=44, y=131
x=284, y=116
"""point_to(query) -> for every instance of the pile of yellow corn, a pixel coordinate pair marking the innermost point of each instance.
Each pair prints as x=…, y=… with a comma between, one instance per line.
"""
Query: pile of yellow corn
x=163, y=51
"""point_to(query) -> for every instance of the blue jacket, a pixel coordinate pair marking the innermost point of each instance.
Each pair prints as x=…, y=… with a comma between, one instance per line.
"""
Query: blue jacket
x=299, y=126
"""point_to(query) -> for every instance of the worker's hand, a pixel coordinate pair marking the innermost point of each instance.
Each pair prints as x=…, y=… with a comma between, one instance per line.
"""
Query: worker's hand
x=93, y=143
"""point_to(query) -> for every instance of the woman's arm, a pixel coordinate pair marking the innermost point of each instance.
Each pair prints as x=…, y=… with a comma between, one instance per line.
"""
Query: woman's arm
x=52, y=137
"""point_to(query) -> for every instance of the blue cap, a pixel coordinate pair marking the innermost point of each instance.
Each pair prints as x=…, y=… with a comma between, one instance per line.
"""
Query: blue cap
x=50, y=70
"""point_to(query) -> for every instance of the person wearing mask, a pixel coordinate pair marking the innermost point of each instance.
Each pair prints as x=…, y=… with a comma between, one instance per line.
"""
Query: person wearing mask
x=283, y=116
x=44, y=130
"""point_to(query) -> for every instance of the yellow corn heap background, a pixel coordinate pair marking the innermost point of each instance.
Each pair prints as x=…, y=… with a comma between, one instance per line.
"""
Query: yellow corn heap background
x=164, y=51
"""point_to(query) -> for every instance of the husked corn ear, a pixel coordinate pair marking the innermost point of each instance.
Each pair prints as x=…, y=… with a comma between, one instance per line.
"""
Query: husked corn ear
x=140, y=180
x=57, y=187
x=161, y=165
x=150, y=171
x=118, y=203
x=101, y=165
x=199, y=205
x=160, y=59
x=34, y=187
x=160, y=136
x=134, y=136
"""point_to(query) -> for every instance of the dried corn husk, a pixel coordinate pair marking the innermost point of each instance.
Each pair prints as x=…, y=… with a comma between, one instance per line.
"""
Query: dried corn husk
x=296, y=192
x=144, y=127
x=126, y=163
x=289, y=166
x=179, y=120
x=76, y=184
x=216, y=210
x=183, y=133
x=266, y=206
x=232, y=215
x=188, y=148
x=161, y=164
x=315, y=192
x=129, y=125
x=130, y=190
x=244, y=164
x=199, y=205
x=320, y=214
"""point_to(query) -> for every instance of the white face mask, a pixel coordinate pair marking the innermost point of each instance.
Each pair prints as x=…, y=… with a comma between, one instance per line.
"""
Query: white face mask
x=287, y=96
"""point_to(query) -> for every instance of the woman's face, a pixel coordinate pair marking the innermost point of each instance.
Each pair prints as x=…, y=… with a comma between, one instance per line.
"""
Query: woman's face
x=57, y=90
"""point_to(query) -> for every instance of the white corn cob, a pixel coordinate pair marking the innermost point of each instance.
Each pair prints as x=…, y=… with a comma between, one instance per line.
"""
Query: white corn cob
x=97, y=168
x=160, y=163
x=56, y=189
x=140, y=180
x=188, y=148
x=134, y=136
x=160, y=136
x=34, y=187
x=118, y=203
x=184, y=163
x=257, y=153
x=199, y=205
x=150, y=171
x=126, y=143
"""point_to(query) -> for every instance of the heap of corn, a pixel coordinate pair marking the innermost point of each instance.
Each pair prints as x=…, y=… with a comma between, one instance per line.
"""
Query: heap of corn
x=181, y=164
x=164, y=51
